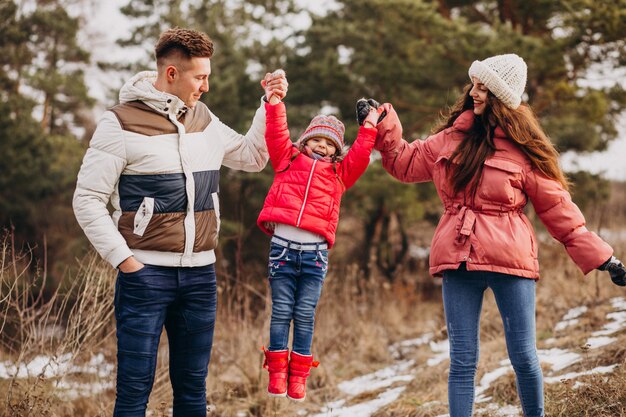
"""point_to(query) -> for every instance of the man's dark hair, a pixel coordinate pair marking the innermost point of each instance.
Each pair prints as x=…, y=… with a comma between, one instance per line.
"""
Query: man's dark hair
x=186, y=43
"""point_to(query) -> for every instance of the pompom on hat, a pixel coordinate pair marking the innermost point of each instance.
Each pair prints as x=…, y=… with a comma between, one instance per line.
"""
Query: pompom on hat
x=504, y=76
x=328, y=127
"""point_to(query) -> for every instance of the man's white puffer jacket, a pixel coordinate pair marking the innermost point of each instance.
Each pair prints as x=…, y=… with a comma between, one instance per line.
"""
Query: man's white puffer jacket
x=157, y=161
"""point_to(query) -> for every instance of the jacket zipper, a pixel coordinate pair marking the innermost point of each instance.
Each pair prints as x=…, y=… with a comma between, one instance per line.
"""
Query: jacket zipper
x=306, y=193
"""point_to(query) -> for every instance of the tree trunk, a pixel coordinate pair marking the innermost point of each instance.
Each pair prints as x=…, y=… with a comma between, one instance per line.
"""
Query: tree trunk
x=506, y=9
x=371, y=240
x=45, y=119
x=392, y=247
x=443, y=9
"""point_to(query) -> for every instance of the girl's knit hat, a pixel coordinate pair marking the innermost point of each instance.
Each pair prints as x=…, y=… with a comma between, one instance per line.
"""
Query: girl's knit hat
x=504, y=76
x=328, y=127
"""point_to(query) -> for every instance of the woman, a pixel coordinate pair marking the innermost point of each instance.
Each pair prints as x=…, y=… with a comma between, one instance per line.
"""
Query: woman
x=487, y=160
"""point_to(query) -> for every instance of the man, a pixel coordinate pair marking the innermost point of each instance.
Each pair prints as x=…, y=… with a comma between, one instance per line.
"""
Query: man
x=156, y=157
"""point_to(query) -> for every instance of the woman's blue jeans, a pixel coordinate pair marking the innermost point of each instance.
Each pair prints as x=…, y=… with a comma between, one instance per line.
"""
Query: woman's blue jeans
x=184, y=300
x=296, y=278
x=515, y=296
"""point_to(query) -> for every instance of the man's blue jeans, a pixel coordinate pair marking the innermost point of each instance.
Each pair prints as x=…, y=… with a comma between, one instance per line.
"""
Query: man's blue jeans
x=515, y=296
x=184, y=300
x=296, y=278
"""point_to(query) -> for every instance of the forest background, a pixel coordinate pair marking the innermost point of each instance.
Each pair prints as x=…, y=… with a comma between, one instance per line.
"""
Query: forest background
x=412, y=53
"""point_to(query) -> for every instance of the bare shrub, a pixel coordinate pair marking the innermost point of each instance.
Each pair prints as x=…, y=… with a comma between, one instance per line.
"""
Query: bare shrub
x=53, y=324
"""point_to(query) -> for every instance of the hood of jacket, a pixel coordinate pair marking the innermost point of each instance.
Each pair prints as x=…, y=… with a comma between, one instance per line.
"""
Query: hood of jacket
x=141, y=87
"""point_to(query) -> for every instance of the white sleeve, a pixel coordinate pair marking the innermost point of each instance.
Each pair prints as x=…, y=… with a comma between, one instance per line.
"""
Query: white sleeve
x=246, y=152
x=98, y=176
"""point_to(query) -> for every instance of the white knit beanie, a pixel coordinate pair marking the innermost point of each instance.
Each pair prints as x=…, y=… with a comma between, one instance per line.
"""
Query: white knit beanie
x=504, y=76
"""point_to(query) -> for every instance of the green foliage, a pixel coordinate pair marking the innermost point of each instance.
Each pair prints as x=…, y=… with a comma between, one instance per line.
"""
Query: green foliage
x=43, y=102
x=56, y=70
x=590, y=191
x=25, y=165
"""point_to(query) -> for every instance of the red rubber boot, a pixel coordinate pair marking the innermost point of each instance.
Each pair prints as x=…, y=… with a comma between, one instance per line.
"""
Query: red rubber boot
x=277, y=364
x=299, y=370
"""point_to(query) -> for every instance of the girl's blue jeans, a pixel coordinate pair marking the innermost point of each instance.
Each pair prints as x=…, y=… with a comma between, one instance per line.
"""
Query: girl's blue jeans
x=296, y=278
x=184, y=300
x=515, y=296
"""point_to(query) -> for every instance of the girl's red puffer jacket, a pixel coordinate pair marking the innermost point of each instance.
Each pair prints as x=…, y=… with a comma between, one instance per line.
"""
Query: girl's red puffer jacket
x=306, y=193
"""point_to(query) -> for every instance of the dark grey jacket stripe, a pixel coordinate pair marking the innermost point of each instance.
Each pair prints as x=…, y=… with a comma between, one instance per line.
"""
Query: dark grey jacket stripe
x=168, y=191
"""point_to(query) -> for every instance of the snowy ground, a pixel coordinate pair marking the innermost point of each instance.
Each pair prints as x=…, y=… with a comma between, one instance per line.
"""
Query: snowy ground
x=386, y=384
x=395, y=377
x=65, y=374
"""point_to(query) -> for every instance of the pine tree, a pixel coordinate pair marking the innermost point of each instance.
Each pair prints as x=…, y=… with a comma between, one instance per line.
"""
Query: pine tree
x=43, y=106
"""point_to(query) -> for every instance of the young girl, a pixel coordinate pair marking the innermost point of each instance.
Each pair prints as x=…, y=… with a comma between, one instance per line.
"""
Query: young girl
x=301, y=212
x=487, y=161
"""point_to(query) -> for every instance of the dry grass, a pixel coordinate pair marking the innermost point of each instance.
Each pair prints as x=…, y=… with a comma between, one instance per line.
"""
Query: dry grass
x=66, y=324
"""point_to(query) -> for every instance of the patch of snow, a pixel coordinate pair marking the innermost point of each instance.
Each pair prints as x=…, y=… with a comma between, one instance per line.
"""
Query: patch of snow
x=400, y=348
x=379, y=379
x=442, y=350
x=503, y=411
x=50, y=367
x=619, y=303
x=618, y=323
x=596, y=342
x=334, y=404
x=575, y=312
x=565, y=324
x=489, y=377
x=60, y=367
x=367, y=408
x=570, y=318
x=74, y=390
x=558, y=358
x=572, y=375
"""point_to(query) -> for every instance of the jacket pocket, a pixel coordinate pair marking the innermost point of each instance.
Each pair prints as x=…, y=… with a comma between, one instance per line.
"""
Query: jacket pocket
x=501, y=181
x=277, y=254
x=143, y=216
x=216, y=208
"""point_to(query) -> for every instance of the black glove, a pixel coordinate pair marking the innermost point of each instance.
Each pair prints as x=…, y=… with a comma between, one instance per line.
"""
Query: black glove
x=616, y=270
x=363, y=107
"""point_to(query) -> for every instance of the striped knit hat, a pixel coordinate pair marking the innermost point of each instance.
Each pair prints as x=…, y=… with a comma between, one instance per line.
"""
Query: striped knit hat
x=328, y=127
x=504, y=76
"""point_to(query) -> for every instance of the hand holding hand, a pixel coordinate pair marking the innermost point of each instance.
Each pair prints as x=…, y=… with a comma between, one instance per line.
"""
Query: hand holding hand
x=363, y=107
x=275, y=85
x=373, y=117
x=616, y=270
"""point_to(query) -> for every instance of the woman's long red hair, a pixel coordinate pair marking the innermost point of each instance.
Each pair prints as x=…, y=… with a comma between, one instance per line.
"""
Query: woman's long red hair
x=465, y=165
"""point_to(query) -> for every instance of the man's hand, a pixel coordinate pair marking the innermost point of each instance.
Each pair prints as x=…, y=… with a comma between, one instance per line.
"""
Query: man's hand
x=275, y=86
x=616, y=270
x=130, y=265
